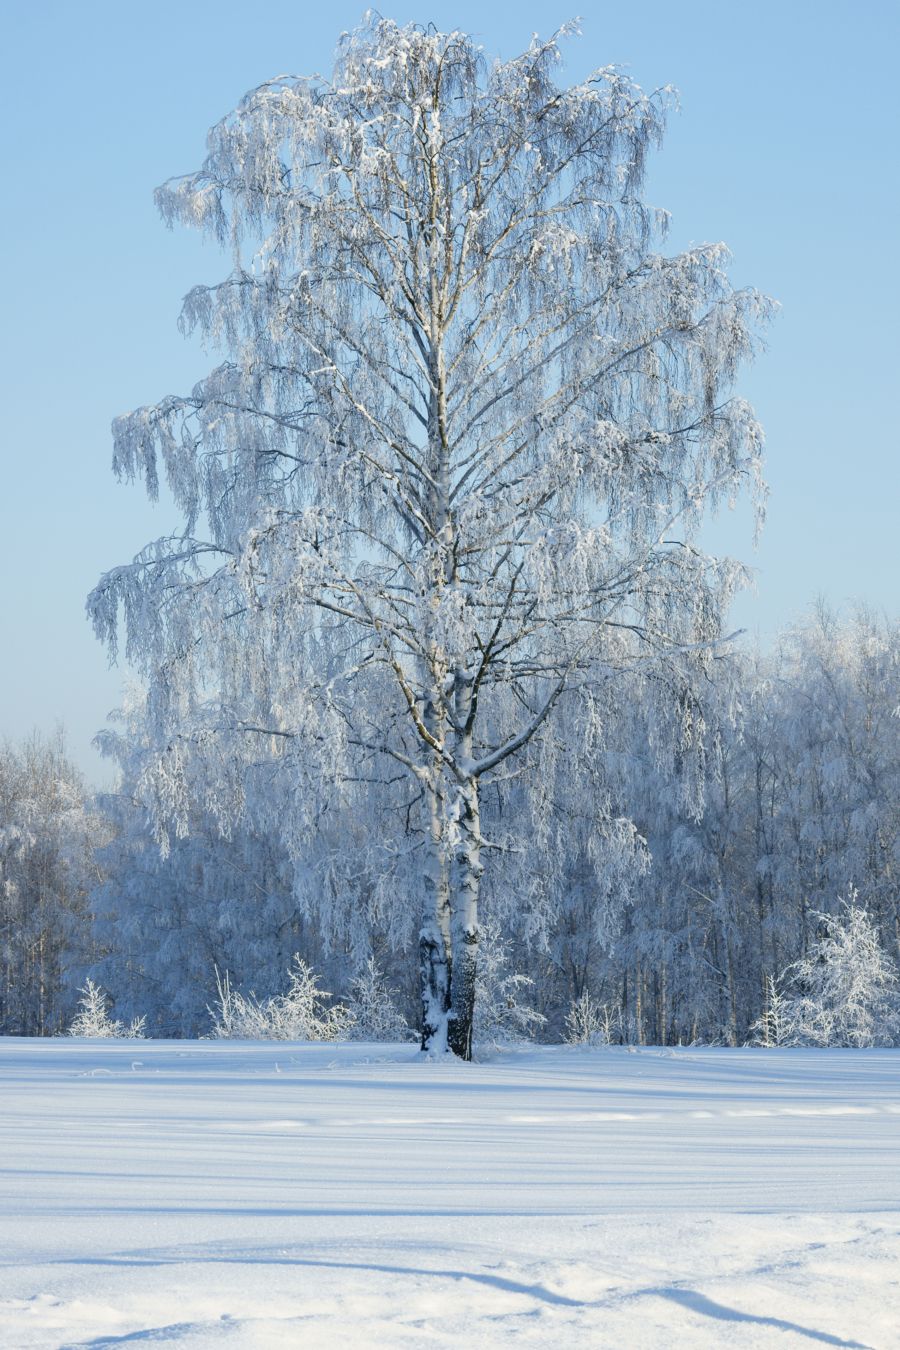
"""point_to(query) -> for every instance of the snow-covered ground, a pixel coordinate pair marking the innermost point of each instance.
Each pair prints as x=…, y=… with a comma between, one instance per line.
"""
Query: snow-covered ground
x=276, y=1195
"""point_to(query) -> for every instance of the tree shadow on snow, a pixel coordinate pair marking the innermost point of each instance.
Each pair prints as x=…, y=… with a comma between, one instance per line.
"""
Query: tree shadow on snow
x=699, y=1303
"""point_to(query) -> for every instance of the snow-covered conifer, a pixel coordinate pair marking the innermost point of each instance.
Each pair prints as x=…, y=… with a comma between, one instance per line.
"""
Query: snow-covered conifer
x=93, y=1018
x=775, y=1027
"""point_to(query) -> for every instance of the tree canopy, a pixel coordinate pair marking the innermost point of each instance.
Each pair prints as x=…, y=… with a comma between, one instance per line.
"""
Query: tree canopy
x=445, y=487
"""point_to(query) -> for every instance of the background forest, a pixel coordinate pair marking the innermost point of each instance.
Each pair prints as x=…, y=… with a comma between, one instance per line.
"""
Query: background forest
x=669, y=898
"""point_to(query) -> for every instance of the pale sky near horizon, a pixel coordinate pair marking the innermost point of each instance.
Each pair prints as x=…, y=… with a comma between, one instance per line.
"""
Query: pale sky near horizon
x=785, y=147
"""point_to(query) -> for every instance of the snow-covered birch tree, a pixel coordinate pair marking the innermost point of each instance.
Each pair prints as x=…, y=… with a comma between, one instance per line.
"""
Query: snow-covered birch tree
x=450, y=472
x=49, y=832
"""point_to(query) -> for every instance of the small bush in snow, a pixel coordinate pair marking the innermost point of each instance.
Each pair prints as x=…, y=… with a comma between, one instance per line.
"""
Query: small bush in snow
x=94, y=1020
x=500, y=1017
x=375, y=1016
x=589, y=1022
x=300, y=1014
x=775, y=1027
x=848, y=992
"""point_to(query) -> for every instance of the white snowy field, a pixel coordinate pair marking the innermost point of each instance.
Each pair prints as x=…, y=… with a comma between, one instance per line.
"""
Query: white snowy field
x=278, y=1195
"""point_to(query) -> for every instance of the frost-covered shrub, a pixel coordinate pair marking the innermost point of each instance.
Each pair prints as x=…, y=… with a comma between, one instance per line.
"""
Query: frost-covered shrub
x=94, y=1020
x=500, y=1017
x=589, y=1022
x=300, y=1014
x=847, y=989
x=373, y=1012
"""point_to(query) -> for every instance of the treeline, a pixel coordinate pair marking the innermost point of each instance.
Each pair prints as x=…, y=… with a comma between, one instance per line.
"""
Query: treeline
x=664, y=882
x=51, y=834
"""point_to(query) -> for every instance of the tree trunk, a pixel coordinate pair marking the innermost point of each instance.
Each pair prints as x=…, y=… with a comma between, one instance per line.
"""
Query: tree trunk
x=448, y=940
x=434, y=958
x=639, y=1003
x=466, y=874
x=434, y=939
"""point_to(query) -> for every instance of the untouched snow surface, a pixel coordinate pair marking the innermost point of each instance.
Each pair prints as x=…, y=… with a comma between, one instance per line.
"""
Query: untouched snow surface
x=221, y=1194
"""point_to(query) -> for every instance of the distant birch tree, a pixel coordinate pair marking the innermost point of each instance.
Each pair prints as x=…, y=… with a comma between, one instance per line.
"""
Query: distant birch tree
x=49, y=833
x=451, y=470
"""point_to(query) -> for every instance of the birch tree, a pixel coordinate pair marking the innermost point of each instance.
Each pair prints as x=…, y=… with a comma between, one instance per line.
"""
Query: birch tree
x=449, y=472
x=49, y=831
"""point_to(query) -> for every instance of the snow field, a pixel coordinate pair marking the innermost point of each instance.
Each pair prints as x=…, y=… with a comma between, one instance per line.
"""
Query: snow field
x=274, y=1195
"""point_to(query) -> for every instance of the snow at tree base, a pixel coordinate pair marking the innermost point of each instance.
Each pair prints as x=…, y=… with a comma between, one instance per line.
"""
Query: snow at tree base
x=262, y=1195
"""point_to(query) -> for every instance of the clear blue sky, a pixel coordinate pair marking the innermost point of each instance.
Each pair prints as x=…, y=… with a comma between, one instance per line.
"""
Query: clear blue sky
x=785, y=147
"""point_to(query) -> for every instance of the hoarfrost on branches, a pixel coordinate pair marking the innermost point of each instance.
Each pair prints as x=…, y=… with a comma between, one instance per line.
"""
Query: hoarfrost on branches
x=446, y=483
x=589, y=1022
x=502, y=1014
x=847, y=989
x=49, y=831
x=775, y=1027
x=93, y=1018
x=302, y=1013
x=372, y=1009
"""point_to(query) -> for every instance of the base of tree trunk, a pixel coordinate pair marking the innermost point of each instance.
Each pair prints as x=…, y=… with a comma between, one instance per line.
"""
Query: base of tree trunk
x=462, y=1010
x=435, y=968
